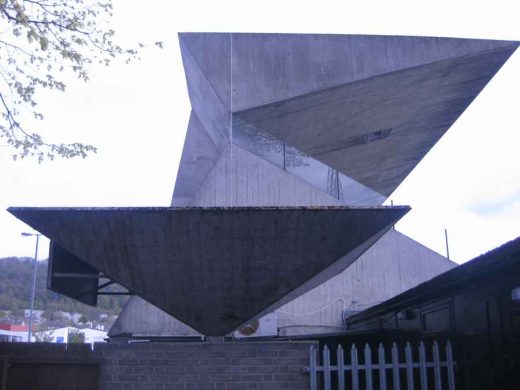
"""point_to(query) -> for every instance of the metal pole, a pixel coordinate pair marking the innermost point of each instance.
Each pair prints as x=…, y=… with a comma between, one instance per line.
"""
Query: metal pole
x=33, y=287
x=447, y=246
x=392, y=204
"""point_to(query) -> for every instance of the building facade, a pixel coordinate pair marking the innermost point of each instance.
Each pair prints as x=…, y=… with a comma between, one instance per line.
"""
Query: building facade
x=293, y=144
x=320, y=120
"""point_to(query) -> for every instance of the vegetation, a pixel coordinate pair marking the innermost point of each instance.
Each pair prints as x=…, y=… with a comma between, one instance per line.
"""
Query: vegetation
x=75, y=336
x=41, y=43
x=15, y=290
x=43, y=337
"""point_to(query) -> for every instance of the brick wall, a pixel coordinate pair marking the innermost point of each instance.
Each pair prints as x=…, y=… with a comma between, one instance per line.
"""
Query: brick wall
x=233, y=365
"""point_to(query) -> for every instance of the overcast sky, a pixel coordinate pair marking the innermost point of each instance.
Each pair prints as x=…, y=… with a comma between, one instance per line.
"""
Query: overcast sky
x=137, y=115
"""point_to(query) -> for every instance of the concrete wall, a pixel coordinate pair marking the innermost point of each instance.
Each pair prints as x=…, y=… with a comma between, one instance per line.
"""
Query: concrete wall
x=394, y=264
x=243, y=365
x=239, y=178
x=142, y=319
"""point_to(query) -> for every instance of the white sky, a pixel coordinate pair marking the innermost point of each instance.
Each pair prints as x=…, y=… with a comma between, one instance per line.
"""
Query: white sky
x=137, y=116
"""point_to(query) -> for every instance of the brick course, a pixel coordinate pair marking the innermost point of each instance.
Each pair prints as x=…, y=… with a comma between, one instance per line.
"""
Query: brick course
x=183, y=366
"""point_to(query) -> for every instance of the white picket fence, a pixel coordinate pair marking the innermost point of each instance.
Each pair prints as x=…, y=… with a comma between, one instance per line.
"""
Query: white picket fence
x=399, y=369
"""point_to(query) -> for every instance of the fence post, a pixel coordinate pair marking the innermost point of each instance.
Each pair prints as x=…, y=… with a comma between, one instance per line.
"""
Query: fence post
x=409, y=366
x=354, y=367
x=382, y=367
x=449, y=362
x=4, y=368
x=368, y=367
x=341, y=368
x=395, y=367
x=437, y=366
x=313, y=370
x=326, y=368
x=422, y=366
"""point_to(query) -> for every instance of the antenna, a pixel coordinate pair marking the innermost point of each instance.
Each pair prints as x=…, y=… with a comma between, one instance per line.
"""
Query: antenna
x=447, y=246
x=391, y=204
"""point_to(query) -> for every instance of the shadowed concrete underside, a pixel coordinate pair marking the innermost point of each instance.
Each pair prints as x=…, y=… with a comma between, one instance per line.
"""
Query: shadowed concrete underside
x=216, y=268
x=393, y=264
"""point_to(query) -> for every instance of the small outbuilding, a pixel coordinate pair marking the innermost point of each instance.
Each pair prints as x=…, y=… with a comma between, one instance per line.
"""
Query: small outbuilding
x=475, y=305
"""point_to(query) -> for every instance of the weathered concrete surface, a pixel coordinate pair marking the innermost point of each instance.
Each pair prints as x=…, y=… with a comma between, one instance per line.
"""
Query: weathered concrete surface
x=240, y=178
x=369, y=106
x=142, y=319
x=199, y=156
x=207, y=104
x=266, y=68
x=392, y=265
x=377, y=130
x=215, y=269
x=395, y=263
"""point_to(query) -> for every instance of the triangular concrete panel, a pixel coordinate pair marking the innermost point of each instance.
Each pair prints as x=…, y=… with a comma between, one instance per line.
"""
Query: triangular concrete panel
x=142, y=319
x=324, y=94
x=377, y=130
x=266, y=68
x=215, y=269
x=199, y=155
x=241, y=178
x=211, y=53
x=392, y=265
x=212, y=112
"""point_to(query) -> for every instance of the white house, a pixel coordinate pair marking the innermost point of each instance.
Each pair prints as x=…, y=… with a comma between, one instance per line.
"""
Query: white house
x=61, y=335
x=13, y=336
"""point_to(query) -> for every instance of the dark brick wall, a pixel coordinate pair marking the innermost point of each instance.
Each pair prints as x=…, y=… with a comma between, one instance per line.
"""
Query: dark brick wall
x=230, y=365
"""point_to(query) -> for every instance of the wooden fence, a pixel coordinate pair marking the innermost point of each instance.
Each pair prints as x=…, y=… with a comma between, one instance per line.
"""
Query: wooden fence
x=436, y=373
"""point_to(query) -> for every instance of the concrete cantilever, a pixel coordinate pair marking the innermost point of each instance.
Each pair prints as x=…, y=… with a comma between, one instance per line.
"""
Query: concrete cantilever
x=370, y=107
x=215, y=268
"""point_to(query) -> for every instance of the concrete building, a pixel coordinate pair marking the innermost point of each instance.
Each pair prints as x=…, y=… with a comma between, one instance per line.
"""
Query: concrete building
x=329, y=124
x=293, y=143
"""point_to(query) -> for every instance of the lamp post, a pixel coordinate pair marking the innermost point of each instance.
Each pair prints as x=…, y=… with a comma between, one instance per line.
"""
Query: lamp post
x=33, y=290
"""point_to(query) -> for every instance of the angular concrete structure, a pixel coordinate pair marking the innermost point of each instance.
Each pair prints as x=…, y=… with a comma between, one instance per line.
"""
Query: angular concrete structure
x=394, y=264
x=311, y=127
x=289, y=119
x=215, y=269
x=369, y=107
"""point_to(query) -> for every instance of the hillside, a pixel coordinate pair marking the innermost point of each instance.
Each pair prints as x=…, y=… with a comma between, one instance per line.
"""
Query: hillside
x=15, y=290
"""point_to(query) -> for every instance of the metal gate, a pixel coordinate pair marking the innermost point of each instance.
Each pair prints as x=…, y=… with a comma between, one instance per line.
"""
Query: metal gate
x=421, y=368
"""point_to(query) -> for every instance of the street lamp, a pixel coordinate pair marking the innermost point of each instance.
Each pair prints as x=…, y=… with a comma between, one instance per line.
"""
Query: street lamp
x=37, y=235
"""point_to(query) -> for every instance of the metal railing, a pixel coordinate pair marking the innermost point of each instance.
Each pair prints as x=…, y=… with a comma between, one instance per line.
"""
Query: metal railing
x=394, y=371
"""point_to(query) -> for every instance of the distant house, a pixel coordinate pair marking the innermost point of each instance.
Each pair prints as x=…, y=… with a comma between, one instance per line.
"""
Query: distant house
x=13, y=333
x=94, y=335
x=58, y=335
x=37, y=314
x=62, y=335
